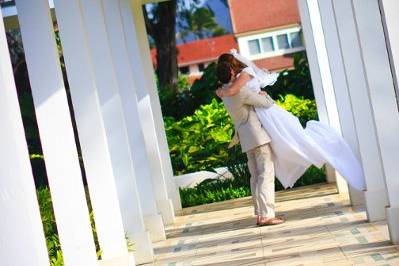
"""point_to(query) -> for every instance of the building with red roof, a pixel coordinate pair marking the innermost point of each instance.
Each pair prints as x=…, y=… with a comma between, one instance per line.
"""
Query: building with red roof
x=194, y=57
x=267, y=31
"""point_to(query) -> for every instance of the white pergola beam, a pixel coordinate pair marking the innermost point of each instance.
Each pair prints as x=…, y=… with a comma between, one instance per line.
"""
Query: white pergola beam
x=149, y=105
x=92, y=134
x=375, y=195
x=56, y=133
x=146, y=111
x=113, y=116
x=134, y=222
x=338, y=78
x=382, y=96
x=389, y=8
x=322, y=81
x=20, y=226
x=126, y=89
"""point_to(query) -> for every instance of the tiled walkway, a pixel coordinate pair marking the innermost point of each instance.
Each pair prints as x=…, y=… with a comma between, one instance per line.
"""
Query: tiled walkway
x=321, y=229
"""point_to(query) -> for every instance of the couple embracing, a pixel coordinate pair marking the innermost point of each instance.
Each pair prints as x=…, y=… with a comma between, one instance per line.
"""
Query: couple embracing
x=275, y=142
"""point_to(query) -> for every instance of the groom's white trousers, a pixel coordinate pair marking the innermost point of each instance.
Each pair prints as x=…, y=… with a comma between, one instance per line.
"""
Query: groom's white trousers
x=261, y=167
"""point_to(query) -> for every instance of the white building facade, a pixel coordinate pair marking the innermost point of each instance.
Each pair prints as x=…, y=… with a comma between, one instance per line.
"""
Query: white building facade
x=353, y=52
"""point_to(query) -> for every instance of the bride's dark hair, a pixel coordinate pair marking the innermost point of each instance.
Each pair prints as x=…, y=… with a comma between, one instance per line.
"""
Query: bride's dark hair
x=226, y=63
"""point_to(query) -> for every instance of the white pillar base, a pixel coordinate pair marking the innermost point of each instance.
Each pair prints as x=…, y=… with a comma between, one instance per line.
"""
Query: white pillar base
x=173, y=192
x=357, y=197
x=143, y=252
x=342, y=185
x=176, y=202
x=167, y=211
x=127, y=260
x=154, y=225
x=393, y=223
x=330, y=174
x=375, y=204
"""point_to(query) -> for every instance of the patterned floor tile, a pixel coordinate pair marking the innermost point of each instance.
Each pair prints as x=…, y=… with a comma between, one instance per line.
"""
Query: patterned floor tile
x=321, y=228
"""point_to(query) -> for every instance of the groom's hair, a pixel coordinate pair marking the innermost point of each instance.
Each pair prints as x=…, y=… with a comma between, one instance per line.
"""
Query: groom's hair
x=223, y=72
x=226, y=63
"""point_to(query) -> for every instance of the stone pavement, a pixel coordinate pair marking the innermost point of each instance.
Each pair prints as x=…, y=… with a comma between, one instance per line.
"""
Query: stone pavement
x=321, y=229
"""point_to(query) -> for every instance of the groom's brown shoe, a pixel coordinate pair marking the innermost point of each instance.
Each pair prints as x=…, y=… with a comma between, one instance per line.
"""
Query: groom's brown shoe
x=264, y=221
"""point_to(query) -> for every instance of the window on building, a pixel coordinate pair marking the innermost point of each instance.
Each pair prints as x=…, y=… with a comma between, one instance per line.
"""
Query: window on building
x=201, y=67
x=275, y=42
x=184, y=70
x=267, y=44
x=295, y=39
x=282, y=41
x=254, y=47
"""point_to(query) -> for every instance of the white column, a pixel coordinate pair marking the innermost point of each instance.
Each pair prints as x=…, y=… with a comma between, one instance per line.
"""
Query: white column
x=375, y=196
x=321, y=76
x=149, y=105
x=340, y=86
x=92, y=135
x=114, y=121
x=389, y=10
x=127, y=91
x=56, y=133
x=20, y=226
x=382, y=98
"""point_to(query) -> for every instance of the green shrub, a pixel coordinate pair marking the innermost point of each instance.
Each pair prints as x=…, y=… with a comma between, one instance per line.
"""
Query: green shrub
x=304, y=109
x=200, y=141
x=188, y=99
x=49, y=226
x=296, y=81
x=236, y=163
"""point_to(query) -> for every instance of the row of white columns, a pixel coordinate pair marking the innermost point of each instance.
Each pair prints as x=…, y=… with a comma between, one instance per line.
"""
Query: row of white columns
x=112, y=88
x=55, y=127
x=321, y=80
x=357, y=64
x=148, y=102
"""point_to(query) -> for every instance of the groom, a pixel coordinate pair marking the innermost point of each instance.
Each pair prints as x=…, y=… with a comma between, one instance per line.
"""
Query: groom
x=255, y=142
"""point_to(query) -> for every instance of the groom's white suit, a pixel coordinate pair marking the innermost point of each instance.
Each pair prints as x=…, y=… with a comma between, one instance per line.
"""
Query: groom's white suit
x=255, y=142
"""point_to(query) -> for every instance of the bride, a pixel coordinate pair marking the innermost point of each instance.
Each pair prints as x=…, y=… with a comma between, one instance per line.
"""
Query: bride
x=294, y=147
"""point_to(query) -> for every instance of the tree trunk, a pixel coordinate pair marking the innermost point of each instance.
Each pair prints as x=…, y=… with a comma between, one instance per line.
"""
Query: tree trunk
x=164, y=34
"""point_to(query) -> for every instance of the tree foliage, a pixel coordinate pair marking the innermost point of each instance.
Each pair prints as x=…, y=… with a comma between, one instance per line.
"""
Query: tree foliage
x=200, y=22
x=161, y=21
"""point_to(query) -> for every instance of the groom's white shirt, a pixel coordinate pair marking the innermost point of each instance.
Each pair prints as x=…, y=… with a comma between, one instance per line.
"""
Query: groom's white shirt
x=250, y=132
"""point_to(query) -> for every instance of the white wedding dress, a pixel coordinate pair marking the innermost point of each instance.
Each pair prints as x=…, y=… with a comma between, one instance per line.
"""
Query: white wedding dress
x=296, y=148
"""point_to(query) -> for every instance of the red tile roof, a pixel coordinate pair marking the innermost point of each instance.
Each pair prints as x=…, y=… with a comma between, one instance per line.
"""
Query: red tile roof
x=200, y=51
x=253, y=15
x=276, y=63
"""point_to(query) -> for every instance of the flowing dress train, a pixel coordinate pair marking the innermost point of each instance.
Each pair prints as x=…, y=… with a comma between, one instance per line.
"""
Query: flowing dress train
x=296, y=148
